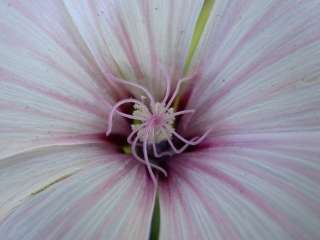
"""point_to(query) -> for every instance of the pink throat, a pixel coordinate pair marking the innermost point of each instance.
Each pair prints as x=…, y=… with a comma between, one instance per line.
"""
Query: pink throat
x=153, y=123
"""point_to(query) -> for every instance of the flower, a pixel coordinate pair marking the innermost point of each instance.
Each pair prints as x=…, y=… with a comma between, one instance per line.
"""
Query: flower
x=213, y=108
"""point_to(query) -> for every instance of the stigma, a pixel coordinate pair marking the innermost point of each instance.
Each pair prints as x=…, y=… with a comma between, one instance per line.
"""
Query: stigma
x=156, y=124
x=153, y=123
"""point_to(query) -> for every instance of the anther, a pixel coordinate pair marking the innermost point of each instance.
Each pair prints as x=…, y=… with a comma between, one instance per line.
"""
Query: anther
x=155, y=124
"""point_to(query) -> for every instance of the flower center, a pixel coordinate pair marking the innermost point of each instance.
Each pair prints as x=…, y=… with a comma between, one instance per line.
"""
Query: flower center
x=156, y=123
x=153, y=124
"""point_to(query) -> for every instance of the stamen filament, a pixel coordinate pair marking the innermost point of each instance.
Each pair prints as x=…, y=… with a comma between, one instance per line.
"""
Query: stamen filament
x=190, y=142
x=114, y=108
x=184, y=112
x=134, y=152
x=176, y=91
x=155, y=126
x=131, y=116
x=168, y=84
x=146, y=158
x=129, y=138
x=155, y=152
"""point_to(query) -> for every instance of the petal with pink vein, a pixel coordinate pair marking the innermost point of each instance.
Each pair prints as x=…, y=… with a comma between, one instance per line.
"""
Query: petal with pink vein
x=259, y=63
x=99, y=199
x=263, y=189
x=48, y=94
x=134, y=36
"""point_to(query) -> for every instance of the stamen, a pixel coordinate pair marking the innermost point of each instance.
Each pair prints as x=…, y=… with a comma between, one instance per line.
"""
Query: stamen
x=155, y=152
x=168, y=84
x=183, y=148
x=146, y=158
x=183, y=112
x=131, y=116
x=176, y=91
x=114, y=108
x=134, y=152
x=156, y=125
x=173, y=146
x=191, y=142
x=129, y=138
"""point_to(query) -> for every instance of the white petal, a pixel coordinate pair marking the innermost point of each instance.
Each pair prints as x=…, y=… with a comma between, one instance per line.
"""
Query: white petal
x=105, y=196
x=24, y=175
x=50, y=91
x=132, y=37
x=259, y=66
x=251, y=187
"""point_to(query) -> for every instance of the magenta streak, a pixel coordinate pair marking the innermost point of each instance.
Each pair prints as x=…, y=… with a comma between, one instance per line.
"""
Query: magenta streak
x=52, y=63
x=52, y=139
x=118, y=80
x=105, y=69
x=222, y=222
x=146, y=203
x=82, y=139
x=170, y=193
x=253, y=68
x=186, y=210
x=71, y=54
x=169, y=27
x=274, y=180
x=261, y=24
x=258, y=98
x=268, y=116
x=57, y=96
x=257, y=65
x=145, y=8
x=284, y=162
x=67, y=140
x=233, y=10
x=249, y=195
x=122, y=205
x=66, y=220
x=176, y=49
x=251, y=33
x=12, y=106
x=126, y=43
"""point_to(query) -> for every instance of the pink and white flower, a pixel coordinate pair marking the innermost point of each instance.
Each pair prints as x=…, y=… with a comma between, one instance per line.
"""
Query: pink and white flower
x=104, y=107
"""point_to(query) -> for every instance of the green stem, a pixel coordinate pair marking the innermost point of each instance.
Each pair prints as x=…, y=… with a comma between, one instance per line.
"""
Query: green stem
x=197, y=34
x=198, y=31
x=155, y=224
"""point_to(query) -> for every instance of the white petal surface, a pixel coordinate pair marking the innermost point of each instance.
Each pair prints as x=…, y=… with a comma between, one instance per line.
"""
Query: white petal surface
x=259, y=68
x=51, y=92
x=82, y=192
x=258, y=187
x=132, y=36
x=258, y=88
x=27, y=173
